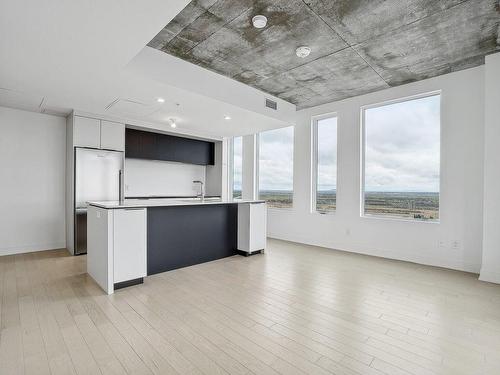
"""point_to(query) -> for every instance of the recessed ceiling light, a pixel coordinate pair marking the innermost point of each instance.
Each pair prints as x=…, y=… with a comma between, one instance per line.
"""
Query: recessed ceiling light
x=303, y=51
x=227, y=117
x=160, y=100
x=259, y=21
x=172, y=123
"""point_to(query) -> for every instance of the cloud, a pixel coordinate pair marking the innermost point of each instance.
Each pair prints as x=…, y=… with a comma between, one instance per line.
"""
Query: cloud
x=402, y=146
x=276, y=159
x=237, y=163
x=327, y=154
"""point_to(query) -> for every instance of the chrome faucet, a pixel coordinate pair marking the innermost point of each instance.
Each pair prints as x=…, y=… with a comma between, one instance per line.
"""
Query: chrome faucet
x=202, y=190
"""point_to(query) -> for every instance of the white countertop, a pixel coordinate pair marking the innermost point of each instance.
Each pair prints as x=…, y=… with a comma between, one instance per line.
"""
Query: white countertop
x=164, y=202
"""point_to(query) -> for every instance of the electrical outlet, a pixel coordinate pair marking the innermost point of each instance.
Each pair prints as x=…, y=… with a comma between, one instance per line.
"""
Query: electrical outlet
x=455, y=244
x=441, y=243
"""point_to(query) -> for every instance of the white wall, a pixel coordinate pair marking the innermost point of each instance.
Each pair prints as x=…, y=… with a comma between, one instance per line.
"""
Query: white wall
x=490, y=270
x=249, y=167
x=32, y=181
x=461, y=196
x=161, y=178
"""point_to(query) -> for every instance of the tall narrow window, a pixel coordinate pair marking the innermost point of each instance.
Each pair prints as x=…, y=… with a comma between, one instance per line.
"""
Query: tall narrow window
x=276, y=167
x=325, y=164
x=401, y=159
x=237, y=166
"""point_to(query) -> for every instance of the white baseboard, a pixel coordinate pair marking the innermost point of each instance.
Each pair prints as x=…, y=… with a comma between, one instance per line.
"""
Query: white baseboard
x=413, y=258
x=31, y=248
x=489, y=276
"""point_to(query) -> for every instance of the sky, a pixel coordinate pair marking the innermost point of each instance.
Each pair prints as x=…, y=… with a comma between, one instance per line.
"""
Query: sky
x=401, y=151
x=402, y=146
x=237, y=163
x=276, y=159
x=327, y=154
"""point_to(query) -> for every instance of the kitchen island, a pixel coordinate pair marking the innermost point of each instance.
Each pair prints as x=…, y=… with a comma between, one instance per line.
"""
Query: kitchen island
x=138, y=237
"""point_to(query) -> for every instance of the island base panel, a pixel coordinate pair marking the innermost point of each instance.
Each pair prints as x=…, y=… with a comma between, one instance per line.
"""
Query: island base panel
x=128, y=283
x=247, y=254
x=181, y=236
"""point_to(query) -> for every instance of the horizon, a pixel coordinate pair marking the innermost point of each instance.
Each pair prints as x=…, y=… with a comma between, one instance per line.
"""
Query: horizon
x=366, y=191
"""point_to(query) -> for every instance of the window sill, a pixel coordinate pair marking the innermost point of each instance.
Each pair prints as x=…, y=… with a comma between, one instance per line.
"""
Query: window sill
x=281, y=209
x=323, y=213
x=401, y=219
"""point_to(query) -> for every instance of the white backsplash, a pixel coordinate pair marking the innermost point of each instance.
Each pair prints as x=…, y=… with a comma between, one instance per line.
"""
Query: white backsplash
x=161, y=178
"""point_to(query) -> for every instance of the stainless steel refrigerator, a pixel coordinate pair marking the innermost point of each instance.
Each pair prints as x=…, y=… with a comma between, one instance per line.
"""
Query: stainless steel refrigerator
x=98, y=177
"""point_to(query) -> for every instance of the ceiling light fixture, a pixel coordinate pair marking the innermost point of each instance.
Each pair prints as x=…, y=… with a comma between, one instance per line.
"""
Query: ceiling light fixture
x=160, y=100
x=172, y=123
x=303, y=51
x=227, y=117
x=259, y=21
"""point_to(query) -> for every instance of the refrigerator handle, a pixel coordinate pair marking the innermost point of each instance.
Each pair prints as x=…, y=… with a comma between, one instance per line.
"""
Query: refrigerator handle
x=121, y=195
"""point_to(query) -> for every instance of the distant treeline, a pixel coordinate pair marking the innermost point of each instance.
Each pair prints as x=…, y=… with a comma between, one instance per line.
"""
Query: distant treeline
x=414, y=205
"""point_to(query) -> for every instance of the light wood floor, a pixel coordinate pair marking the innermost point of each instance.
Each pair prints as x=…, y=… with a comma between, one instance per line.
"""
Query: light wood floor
x=295, y=310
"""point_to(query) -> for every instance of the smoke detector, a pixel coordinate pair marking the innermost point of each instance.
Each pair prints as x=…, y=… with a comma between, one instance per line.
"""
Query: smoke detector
x=259, y=21
x=303, y=51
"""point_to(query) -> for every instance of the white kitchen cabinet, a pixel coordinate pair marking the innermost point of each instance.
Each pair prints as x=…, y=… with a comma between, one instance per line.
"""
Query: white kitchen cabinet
x=112, y=136
x=116, y=246
x=129, y=244
x=86, y=132
x=95, y=133
x=252, y=232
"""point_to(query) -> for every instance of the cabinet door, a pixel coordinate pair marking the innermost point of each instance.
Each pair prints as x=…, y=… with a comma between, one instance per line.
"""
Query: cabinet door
x=129, y=244
x=258, y=226
x=252, y=226
x=147, y=145
x=140, y=144
x=87, y=132
x=112, y=136
x=194, y=151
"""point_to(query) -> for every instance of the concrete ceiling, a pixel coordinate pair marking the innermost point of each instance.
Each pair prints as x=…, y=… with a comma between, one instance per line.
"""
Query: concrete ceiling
x=358, y=46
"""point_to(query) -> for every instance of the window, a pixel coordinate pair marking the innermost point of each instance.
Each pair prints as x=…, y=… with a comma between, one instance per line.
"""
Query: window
x=401, y=159
x=237, y=158
x=325, y=164
x=276, y=167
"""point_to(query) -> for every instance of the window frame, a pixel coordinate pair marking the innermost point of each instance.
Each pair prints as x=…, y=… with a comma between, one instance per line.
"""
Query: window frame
x=257, y=169
x=362, y=139
x=314, y=162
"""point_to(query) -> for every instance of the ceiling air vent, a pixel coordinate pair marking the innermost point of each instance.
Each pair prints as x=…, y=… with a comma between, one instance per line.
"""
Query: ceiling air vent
x=271, y=104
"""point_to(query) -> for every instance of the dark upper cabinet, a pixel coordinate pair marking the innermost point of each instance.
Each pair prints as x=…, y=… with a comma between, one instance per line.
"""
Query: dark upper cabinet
x=154, y=146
